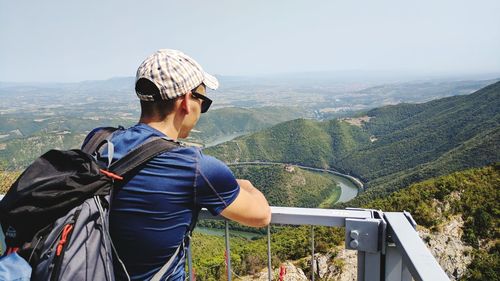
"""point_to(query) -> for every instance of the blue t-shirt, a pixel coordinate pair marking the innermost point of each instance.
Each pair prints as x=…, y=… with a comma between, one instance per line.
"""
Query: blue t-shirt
x=151, y=214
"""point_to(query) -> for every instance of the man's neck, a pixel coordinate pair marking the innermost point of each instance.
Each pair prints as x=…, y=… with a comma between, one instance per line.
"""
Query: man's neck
x=165, y=126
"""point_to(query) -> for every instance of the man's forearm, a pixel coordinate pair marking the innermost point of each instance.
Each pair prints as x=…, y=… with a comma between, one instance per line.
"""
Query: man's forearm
x=250, y=207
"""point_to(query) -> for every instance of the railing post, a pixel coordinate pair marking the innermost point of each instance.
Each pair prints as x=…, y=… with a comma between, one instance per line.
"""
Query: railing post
x=368, y=266
x=393, y=264
x=228, y=252
x=312, y=253
x=269, y=265
x=372, y=266
x=190, y=261
x=361, y=266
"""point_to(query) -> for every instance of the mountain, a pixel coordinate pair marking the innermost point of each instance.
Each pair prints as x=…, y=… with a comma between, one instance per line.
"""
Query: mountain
x=415, y=142
x=226, y=123
x=394, y=147
x=300, y=141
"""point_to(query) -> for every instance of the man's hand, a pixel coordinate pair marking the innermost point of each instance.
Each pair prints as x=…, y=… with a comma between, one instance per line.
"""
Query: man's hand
x=250, y=207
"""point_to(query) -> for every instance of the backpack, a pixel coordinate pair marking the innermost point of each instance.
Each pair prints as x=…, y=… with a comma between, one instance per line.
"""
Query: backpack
x=55, y=215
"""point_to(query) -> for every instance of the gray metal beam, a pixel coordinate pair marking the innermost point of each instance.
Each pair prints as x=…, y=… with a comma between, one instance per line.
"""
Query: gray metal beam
x=308, y=216
x=416, y=257
x=305, y=216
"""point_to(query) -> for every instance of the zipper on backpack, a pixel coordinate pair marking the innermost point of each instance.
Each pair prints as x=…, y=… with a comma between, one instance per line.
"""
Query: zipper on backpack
x=59, y=254
x=64, y=239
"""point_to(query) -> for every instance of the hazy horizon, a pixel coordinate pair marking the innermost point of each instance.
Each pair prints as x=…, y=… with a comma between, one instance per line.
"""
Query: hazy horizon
x=60, y=41
x=333, y=76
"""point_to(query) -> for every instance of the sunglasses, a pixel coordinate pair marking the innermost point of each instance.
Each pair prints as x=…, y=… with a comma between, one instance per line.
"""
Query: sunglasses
x=205, y=101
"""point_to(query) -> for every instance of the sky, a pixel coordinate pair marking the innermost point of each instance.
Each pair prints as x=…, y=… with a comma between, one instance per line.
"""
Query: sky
x=69, y=41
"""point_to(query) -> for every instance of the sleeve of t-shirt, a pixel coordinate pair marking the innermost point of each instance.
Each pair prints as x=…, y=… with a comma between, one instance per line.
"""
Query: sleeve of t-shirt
x=216, y=187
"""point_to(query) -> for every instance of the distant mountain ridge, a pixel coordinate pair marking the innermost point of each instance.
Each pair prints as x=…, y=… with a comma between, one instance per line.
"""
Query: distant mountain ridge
x=413, y=142
x=234, y=121
x=68, y=130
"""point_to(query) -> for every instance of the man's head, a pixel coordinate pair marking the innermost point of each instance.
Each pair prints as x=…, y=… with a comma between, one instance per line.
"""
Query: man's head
x=169, y=80
x=174, y=73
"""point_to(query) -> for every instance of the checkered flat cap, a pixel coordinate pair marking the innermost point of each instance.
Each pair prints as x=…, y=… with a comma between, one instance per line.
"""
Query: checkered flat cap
x=174, y=73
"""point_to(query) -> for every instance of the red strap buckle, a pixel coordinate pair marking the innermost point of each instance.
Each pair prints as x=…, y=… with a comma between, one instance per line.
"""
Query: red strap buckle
x=111, y=175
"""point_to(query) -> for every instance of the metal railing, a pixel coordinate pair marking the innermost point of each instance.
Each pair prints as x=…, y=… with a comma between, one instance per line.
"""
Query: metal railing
x=387, y=244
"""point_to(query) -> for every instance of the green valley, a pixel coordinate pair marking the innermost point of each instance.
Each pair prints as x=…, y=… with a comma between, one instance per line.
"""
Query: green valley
x=399, y=145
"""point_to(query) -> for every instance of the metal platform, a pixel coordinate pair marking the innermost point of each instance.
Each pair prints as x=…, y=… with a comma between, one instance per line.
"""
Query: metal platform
x=387, y=244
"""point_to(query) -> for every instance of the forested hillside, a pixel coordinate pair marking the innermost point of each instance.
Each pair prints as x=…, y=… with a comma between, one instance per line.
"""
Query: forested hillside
x=416, y=142
x=399, y=145
x=300, y=141
x=293, y=187
x=473, y=195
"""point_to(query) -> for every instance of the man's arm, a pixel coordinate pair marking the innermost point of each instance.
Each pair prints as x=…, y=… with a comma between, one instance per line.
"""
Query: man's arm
x=250, y=207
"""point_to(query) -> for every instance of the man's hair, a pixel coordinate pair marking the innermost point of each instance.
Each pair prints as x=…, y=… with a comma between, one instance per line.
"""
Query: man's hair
x=157, y=108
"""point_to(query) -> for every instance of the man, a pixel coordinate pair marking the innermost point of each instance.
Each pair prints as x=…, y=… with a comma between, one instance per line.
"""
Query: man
x=150, y=216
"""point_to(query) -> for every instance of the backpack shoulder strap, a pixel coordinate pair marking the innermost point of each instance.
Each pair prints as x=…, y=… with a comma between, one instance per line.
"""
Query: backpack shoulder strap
x=97, y=139
x=142, y=154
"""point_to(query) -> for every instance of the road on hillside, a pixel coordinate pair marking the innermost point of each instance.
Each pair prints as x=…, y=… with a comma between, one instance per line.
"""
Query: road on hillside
x=349, y=189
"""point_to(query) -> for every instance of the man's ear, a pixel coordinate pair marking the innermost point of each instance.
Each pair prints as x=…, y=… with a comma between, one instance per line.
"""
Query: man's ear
x=184, y=104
